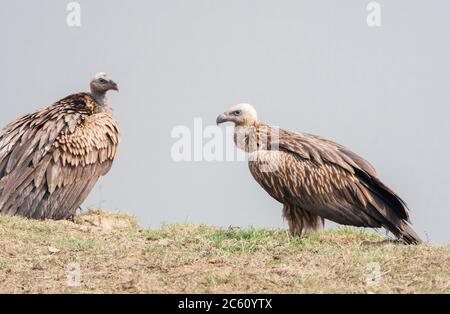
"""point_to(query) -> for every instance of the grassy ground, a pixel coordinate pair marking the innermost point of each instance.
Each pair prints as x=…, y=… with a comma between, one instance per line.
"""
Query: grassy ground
x=103, y=252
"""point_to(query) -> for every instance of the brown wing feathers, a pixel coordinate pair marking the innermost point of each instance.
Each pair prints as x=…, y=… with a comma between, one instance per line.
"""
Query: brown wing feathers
x=51, y=159
x=332, y=182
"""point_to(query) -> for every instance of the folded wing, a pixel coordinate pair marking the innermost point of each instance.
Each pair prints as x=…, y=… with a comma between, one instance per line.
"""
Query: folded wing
x=332, y=182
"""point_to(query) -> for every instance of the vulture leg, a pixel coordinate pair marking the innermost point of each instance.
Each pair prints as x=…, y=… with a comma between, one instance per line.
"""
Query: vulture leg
x=301, y=222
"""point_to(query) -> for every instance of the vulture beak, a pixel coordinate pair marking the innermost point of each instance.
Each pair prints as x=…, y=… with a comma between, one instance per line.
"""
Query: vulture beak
x=222, y=118
x=114, y=86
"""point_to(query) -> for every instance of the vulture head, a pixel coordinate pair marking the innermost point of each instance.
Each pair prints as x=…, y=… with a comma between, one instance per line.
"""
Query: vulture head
x=240, y=115
x=101, y=83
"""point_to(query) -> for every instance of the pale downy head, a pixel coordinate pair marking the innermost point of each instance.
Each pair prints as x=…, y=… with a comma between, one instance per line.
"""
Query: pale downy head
x=101, y=83
x=240, y=115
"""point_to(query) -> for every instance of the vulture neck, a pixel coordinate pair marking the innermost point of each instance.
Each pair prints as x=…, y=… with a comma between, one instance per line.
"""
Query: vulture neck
x=100, y=98
x=247, y=137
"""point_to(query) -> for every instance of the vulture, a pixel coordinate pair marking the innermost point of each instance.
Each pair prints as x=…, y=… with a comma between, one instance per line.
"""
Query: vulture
x=316, y=179
x=51, y=159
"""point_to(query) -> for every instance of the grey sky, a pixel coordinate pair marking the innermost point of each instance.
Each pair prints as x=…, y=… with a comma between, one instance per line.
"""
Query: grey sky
x=311, y=66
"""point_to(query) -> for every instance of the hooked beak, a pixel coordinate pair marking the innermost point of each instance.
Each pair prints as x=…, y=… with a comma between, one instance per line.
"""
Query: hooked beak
x=222, y=118
x=114, y=86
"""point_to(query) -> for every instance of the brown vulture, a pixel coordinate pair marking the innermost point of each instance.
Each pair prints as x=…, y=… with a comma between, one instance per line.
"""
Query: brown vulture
x=316, y=179
x=51, y=159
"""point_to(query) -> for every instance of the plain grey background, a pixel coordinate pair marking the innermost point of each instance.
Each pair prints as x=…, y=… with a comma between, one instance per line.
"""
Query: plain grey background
x=310, y=66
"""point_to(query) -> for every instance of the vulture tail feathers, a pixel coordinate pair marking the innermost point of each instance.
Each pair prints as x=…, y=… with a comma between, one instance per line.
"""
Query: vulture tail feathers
x=391, y=209
x=409, y=235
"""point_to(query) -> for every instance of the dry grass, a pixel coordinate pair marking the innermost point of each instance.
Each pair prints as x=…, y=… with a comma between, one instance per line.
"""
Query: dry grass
x=114, y=256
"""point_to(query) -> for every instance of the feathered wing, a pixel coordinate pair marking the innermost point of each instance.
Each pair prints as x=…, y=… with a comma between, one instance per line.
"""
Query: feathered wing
x=51, y=159
x=325, y=179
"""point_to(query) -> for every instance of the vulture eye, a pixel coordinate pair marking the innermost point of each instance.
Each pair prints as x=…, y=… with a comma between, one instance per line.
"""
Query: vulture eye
x=103, y=81
x=236, y=113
